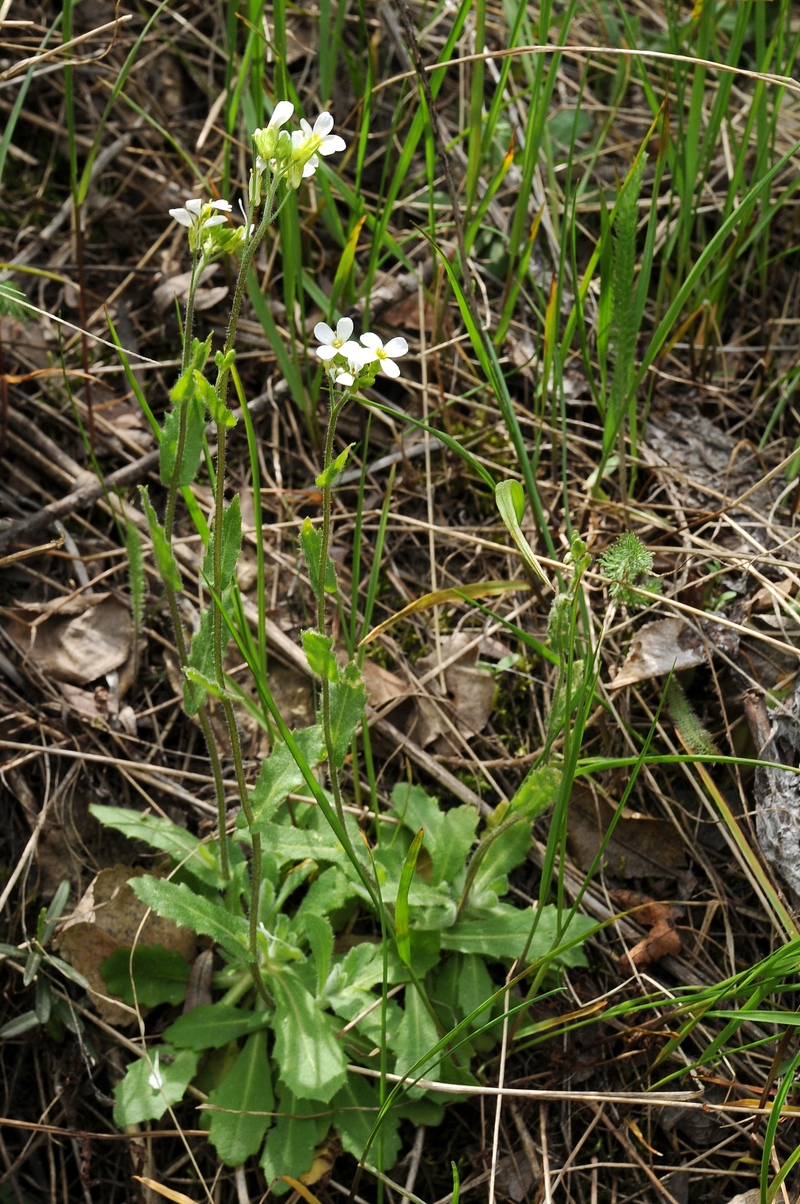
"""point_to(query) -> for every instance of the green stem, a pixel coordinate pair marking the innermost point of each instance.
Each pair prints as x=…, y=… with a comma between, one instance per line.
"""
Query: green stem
x=208, y=735
x=172, y=600
x=241, y=284
x=333, y=772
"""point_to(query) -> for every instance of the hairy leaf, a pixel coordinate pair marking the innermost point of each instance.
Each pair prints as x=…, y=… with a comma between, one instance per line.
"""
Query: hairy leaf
x=138, y=1099
x=177, y=902
x=348, y=697
x=311, y=1060
x=165, y=561
x=161, y=833
x=212, y=1025
x=246, y=1094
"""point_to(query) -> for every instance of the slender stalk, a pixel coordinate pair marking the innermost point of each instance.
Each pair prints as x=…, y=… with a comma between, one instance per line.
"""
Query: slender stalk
x=172, y=600
x=333, y=772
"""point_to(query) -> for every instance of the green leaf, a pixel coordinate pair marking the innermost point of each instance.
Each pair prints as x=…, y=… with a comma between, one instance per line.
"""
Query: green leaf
x=348, y=698
x=231, y=546
x=402, y=934
x=295, y=844
x=311, y=1060
x=161, y=833
x=280, y=775
x=453, y=843
x=137, y=578
x=201, y=659
x=509, y=497
x=320, y=656
x=417, y=809
x=208, y=685
x=332, y=471
x=138, y=1100
x=177, y=902
x=165, y=561
x=507, y=850
x=212, y=1025
x=357, y=1106
x=292, y=1140
x=416, y=1035
x=311, y=544
x=246, y=1091
x=159, y=976
x=193, y=441
x=320, y=939
x=501, y=932
x=20, y=1024
x=537, y=792
x=220, y=414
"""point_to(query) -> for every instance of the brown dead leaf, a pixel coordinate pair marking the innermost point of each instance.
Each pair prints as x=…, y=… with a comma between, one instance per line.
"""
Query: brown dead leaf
x=640, y=847
x=663, y=939
x=77, y=649
x=669, y=645
x=382, y=685
x=108, y=918
x=470, y=687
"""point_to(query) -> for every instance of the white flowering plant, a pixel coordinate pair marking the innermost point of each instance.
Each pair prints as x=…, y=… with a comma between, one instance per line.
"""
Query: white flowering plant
x=279, y=976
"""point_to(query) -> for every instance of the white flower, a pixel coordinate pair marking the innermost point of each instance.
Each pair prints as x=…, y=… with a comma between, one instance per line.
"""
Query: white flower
x=267, y=139
x=332, y=340
x=357, y=358
x=155, y=1080
x=385, y=355
x=308, y=144
x=324, y=142
x=198, y=213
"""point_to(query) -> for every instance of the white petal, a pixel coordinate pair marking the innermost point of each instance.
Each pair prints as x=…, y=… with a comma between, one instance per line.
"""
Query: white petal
x=323, y=125
x=194, y=206
x=281, y=114
x=349, y=349
x=332, y=143
x=344, y=378
x=310, y=167
x=396, y=346
x=226, y=206
x=305, y=127
x=216, y=220
x=390, y=368
x=371, y=340
x=344, y=328
x=323, y=332
x=182, y=216
x=327, y=353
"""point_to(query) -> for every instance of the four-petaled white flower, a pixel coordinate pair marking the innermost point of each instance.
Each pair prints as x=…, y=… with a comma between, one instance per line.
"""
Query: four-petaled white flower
x=308, y=144
x=332, y=340
x=357, y=358
x=155, y=1079
x=385, y=355
x=199, y=214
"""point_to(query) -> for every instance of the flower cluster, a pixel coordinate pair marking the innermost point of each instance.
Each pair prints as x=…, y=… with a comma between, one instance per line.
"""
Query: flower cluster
x=293, y=157
x=279, y=156
x=207, y=223
x=349, y=362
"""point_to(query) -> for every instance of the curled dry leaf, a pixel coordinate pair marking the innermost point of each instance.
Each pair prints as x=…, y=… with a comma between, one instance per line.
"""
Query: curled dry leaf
x=76, y=648
x=669, y=645
x=663, y=939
